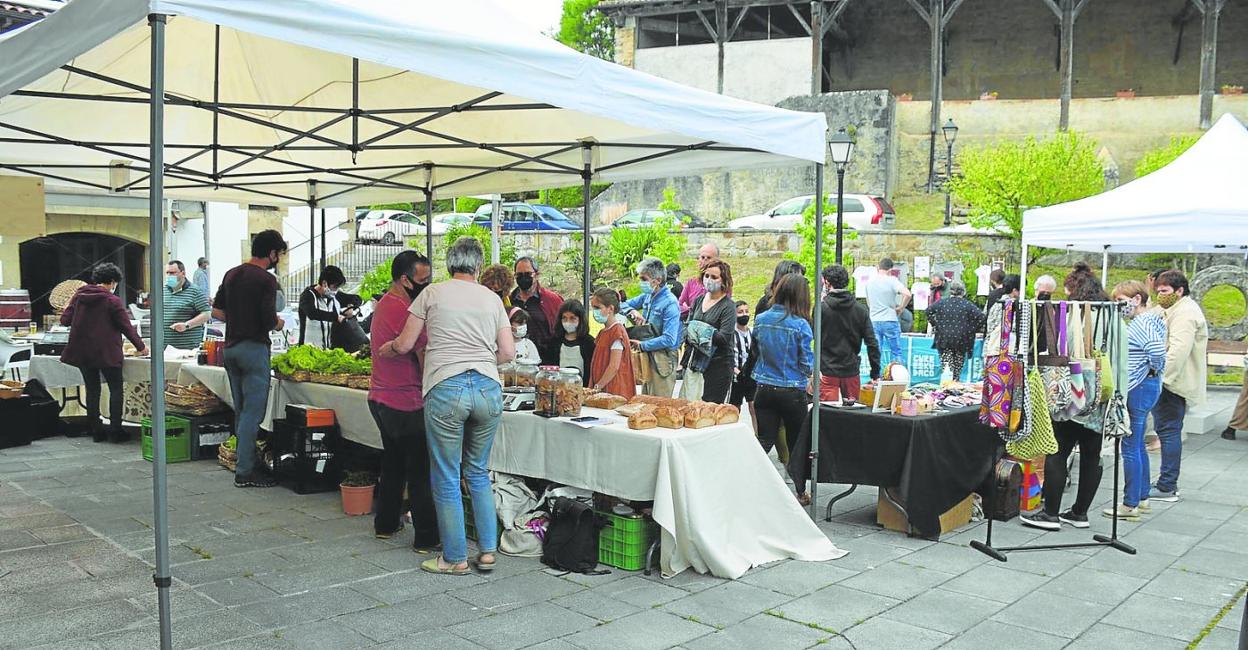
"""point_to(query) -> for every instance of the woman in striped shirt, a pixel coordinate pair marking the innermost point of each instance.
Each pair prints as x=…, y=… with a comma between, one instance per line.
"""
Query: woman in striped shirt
x=1146, y=361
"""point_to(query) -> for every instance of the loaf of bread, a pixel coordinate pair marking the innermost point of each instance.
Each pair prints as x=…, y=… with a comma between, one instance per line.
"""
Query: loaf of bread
x=629, y=410
x=643, y=419
x=669, y=418
x=699, y=415
x=726, y=414
x=659, y=401
x=604, y=401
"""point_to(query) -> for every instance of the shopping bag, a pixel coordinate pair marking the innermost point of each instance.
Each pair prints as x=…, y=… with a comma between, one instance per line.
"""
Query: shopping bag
x=1001, y=375
x=641, y=367
x=1037, y=422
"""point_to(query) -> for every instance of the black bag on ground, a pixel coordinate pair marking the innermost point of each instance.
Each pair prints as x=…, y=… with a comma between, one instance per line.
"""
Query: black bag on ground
x=572, y=536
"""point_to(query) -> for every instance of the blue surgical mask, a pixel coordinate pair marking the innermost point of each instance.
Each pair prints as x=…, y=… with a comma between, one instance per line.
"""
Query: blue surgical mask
x=646, y=287
x=600, y=317
x=171, y=281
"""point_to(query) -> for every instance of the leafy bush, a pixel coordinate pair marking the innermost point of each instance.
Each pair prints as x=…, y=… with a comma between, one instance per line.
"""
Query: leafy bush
x=1157, y=158
x=806, y=230
x=999, y=182
x=627, y=246
x=669, y=202
x=375, y=281
x=565, y=198
x=506, y=253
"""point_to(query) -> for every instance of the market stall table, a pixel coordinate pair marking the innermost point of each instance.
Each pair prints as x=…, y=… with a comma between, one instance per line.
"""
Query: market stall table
x=136, y=374
x=933, y=461
x=720, y=504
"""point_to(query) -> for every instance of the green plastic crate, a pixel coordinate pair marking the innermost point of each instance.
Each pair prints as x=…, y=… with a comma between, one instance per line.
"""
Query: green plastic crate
x=623, y=542
x=470, y=524
x=177, y=439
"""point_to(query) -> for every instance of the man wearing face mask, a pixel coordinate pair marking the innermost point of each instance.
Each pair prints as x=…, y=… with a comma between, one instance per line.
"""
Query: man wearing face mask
x=395, y=398
x=186, y=309
x=246, y=302
x=1185, y=376
x=541, y=304
x=319, y=309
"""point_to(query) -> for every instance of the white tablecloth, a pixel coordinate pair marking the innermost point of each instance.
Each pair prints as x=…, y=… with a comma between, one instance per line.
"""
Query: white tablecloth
x=719, y=501
x=53, y=374
x=722, y=506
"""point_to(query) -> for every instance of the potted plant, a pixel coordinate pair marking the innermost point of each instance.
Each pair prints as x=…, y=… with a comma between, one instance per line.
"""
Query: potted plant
x=1231, y=89
x=357, y=492
x=1126, y=93
x=988, y=95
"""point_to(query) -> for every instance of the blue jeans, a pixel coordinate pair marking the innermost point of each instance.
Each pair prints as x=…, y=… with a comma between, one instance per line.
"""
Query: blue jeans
x=888, y=333
x=1135, y=468
x=247, y=366
x=1168, y=420
x=461, y=417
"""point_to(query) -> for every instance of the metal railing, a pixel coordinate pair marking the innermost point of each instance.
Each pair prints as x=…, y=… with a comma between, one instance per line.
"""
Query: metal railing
x=354, y=258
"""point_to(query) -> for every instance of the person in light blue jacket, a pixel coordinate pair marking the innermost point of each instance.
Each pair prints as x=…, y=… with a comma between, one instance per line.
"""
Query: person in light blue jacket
x=659, y=308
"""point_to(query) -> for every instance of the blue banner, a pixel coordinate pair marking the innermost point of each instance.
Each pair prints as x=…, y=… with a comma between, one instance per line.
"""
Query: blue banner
x=923, y=361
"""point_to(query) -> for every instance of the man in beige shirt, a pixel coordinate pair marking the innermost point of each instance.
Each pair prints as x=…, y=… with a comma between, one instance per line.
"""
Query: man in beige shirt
x=1184, y=379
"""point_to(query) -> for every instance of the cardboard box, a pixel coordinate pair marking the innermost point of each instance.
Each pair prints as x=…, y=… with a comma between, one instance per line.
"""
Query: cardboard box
x=888, y=516
x=304, y=415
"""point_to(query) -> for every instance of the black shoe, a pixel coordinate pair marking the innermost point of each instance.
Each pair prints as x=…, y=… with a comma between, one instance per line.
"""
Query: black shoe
x=380, y=535
x=1042, y=520
x=1069, y=517
x=427, y=549
x=1228, y=433
x=99, y=436
x=255, y=479
x=118, y=435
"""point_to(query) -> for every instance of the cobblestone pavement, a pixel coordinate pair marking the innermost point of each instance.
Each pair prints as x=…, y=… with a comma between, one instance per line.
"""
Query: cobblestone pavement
x=272, y=569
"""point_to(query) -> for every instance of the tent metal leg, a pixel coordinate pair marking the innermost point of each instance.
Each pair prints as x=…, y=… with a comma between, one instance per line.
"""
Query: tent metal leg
x=429, y=228
x=818, y=322
x=156, y=269
x=1105, y=268
x=1022, y=274
x=587, y=176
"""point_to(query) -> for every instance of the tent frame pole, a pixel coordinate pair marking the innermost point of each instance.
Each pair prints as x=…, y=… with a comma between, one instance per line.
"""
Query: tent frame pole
x=816, y=318
x=156, y=270
x=1105, y=268
x=1022, y=274
x=429, y=217
x=587, y=178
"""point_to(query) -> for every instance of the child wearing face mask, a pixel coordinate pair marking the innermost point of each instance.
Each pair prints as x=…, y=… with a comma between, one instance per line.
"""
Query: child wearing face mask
x=526, y=350
x=574, y=347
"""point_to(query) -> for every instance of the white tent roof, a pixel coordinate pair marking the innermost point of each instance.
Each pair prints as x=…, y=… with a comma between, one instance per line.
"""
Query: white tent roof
x=1198, y=203
x=452, y=83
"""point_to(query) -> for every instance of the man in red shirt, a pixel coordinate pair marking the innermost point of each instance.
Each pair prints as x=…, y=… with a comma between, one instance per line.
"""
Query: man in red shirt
x=396, y=401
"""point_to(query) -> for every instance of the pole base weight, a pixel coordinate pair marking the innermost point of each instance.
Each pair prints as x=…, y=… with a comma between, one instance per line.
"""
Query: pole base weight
x=988, y=550
x=1116, y=543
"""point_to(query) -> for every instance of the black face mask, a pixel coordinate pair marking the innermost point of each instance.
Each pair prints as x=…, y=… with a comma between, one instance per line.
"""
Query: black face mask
x=524, y=281
x=272, y=264
x=743, y=320
x=415, y=289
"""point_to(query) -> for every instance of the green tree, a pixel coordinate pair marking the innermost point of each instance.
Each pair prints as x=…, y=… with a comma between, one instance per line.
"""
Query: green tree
x=375, y=281
x=627, y=246
x=1157, y=158
x=806, y=230
x=1000, y=181
x=586, y=29
x=669, y=202
x=507, y=245
x=565, y=198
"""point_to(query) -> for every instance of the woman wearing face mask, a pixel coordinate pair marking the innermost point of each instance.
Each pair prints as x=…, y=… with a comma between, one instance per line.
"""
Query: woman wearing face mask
x=709, y=376
x=575, y=347
x=97, y=320
x=1146, y=362
x=319, y=309
x=526, y=350
x=611, y=369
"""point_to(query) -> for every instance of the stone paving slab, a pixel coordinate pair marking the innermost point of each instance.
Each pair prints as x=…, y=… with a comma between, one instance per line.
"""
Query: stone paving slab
x=272, y=569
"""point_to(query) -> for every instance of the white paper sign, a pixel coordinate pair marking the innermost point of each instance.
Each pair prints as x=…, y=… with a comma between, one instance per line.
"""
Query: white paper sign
x=922, y=266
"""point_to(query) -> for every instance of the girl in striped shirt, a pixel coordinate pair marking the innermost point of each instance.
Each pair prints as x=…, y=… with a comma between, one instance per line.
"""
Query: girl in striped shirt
x=1146, y=361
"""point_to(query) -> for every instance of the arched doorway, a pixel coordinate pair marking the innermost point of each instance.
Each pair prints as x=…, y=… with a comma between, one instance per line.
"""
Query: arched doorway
x=47, y=261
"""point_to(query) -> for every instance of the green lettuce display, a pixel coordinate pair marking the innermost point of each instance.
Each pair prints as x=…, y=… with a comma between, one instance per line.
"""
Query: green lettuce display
x=308, y=358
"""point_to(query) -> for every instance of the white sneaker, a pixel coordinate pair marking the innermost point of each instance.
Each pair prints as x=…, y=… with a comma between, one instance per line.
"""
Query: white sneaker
x=1144, y=507
x=1122, y=512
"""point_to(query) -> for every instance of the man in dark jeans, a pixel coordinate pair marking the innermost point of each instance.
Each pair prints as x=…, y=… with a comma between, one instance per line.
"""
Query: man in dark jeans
x=396, y=401
x=246, y=302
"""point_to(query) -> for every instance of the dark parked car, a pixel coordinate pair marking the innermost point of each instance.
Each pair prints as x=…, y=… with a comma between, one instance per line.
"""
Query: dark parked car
x=646, y=217
x=527, y=216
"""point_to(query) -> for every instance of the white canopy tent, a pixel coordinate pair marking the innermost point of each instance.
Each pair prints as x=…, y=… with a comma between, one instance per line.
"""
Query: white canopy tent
x=347, y=102
x=1196, y=204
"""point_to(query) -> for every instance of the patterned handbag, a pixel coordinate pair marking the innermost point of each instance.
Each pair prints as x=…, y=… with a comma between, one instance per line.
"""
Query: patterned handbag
x=1117, y=421
x=1001, y=376
x=1055, y=365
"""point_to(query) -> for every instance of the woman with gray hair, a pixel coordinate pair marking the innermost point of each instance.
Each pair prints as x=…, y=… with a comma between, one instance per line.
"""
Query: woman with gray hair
x=660, y=310
x=462, y=333
x=955, y=321
x=1045, y=286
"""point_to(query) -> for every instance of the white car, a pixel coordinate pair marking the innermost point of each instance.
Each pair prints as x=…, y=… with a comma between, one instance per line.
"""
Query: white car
x=396, y=226
x=862, y=212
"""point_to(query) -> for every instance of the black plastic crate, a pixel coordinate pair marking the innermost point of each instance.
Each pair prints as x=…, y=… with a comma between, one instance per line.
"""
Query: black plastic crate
x=208, y=432
x=304, y=457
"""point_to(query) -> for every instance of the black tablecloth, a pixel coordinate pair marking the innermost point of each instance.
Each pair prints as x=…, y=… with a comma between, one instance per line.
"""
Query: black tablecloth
x=934, y=461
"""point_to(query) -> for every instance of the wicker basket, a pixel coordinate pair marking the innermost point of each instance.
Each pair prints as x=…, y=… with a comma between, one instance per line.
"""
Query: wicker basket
x=227, y=458
x=63, y=293
x=194, y=400
x=362, y=382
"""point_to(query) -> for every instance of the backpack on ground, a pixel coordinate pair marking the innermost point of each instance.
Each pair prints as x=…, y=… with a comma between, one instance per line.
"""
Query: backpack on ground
x=572, y=536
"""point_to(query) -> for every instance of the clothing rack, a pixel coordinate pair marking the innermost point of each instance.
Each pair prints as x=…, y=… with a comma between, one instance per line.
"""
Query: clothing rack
x=1112, y=541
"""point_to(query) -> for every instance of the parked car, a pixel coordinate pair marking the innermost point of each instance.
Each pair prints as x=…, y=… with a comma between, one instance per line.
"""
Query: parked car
x=389, y=226
x=526, y=216
x=444, y=222
x=862, y=212
x=645, y=217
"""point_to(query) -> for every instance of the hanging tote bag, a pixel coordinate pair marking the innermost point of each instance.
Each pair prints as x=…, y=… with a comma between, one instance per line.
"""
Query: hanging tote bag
x=1001, y=376
x=1018, y=424
x=1117, y=421
x=1088, y=366
x=1104, y=369
x=1054, y=366
x=1038, y=438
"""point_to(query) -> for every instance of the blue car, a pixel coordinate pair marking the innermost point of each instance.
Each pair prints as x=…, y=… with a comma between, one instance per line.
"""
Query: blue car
x=519, y=216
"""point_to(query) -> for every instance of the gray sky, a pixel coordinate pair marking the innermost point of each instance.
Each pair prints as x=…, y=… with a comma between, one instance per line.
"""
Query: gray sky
x=539, y=15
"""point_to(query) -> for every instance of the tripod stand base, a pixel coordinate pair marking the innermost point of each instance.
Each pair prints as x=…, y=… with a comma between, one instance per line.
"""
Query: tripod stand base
x=1116, y=543
x=988, y=550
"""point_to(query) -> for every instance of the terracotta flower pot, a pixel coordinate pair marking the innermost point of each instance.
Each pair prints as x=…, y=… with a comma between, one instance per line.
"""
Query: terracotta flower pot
x=357, y=500
x=905, y=97
x=1125, y=94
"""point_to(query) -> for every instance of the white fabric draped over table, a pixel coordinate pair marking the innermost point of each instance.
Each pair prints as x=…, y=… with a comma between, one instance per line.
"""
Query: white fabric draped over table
x=719, y=501
x=53, y=374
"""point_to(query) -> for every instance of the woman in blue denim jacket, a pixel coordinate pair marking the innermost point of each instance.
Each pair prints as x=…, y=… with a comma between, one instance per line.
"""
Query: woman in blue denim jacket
x=785, y=360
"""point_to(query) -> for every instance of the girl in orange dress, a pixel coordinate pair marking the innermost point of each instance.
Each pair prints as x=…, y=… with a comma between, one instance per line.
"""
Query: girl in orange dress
x=611, y=369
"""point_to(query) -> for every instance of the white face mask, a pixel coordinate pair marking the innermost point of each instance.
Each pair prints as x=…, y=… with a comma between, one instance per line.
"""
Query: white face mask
x=570, y=328
x=521, y=331
x=712, y=286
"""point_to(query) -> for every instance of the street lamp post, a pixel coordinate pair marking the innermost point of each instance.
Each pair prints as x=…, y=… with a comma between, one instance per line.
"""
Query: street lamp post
x=951, y=133
x=840, y=148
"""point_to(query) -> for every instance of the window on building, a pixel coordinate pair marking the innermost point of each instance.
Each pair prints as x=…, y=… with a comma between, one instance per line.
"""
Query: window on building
x=759, y=23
